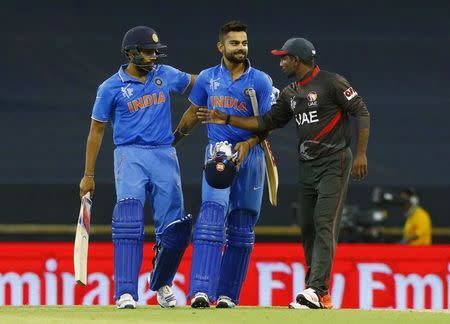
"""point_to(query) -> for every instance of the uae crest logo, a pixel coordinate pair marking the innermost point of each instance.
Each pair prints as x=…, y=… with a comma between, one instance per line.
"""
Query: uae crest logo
x=312, y=98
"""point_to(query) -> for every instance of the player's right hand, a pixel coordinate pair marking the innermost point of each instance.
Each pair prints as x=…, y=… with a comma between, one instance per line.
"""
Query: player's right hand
x=214, y=116
x=243, y=148
x=87, y=184
x=359, y=168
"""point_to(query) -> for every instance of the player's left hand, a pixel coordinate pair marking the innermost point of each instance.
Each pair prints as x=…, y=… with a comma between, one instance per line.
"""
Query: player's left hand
x=243, y=148
x=359, y=168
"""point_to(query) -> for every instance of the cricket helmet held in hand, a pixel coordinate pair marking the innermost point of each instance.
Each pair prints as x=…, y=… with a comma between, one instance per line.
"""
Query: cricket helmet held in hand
x=220, y=168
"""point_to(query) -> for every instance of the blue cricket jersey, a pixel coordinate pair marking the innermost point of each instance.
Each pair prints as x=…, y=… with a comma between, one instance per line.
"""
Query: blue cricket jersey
x=140, y=112
x=214, y=88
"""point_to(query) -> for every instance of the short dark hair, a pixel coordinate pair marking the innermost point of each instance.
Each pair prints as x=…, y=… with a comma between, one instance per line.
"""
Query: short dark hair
x=232, y=26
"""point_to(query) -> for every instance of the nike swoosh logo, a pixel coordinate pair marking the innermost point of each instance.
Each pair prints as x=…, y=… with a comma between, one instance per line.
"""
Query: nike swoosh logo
x=256, y=188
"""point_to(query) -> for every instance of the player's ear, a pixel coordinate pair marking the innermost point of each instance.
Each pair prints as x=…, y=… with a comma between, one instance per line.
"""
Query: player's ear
x=129, y=56
x=220, y=46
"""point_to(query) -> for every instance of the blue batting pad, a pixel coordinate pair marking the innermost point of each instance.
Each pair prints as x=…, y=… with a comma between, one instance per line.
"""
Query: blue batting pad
x=236, y=257
x=209, y=233
x=128, y=238
x=169, y=251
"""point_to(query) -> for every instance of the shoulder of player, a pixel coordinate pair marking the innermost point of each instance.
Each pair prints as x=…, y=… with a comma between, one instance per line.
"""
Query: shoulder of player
x=114, y=81
x=208, y=73
x=331, y=77
x=160, y=69
x=421, y=211
x=211, y=70
x=260, y=74
x=262, y=78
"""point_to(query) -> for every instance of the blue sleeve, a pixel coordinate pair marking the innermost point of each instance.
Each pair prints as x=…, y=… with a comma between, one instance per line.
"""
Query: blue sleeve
x=199, y=95
x=264, y=93
x=178, y=81
x=103, y=104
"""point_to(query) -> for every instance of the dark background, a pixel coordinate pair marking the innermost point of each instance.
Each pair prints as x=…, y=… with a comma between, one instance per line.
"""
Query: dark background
x=55, y=54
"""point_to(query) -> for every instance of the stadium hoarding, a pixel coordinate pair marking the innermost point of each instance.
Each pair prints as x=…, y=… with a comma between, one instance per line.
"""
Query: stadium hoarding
x=364, y=276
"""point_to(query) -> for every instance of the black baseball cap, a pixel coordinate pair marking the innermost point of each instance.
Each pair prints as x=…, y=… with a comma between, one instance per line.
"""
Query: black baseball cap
x=141, y=37
x=296, y=46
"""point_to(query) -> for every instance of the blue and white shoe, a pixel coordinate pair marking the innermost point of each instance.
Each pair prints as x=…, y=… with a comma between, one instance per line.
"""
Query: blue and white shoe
x=165, y=297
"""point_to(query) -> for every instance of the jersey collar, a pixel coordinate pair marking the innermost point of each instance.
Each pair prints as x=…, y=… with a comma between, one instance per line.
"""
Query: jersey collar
x=124, y=77
x=247, y=68
x=309, y=76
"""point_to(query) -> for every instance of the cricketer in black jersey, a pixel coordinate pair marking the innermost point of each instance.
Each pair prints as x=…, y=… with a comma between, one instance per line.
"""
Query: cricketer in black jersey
x=321, y=103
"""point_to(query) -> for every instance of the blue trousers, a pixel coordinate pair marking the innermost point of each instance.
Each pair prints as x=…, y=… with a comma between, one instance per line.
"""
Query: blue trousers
x=152, y=172
x=247, y=190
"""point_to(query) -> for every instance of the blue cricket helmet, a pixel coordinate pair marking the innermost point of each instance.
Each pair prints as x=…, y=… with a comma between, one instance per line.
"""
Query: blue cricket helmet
x=220, y=171
x=141, y=37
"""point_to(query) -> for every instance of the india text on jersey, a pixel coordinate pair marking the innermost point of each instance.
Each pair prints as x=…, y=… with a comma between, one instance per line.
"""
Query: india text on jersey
x=146, y=101
x=227, y=102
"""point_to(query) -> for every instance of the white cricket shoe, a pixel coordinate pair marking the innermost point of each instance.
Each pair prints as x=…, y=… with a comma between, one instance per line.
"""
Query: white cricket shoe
x=165, y=297
x=225, y=302
x=311, y=299
x=126, y=301
x=200, y=300
x=295, y=305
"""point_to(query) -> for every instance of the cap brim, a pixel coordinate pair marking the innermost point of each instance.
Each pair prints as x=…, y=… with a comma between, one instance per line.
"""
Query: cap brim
x=279, y=52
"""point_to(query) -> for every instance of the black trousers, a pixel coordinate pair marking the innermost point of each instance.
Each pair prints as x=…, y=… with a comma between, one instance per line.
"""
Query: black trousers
x=322, y=191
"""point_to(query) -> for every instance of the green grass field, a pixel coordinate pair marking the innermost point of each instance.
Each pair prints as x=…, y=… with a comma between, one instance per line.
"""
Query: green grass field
x=247, y=315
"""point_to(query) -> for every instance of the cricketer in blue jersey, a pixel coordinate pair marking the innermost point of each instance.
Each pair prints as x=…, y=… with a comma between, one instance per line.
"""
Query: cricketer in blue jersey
x=136, y=100
x=234, y=211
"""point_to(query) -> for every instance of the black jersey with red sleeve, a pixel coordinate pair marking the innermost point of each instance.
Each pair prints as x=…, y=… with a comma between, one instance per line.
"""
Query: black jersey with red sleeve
x=320, y=104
